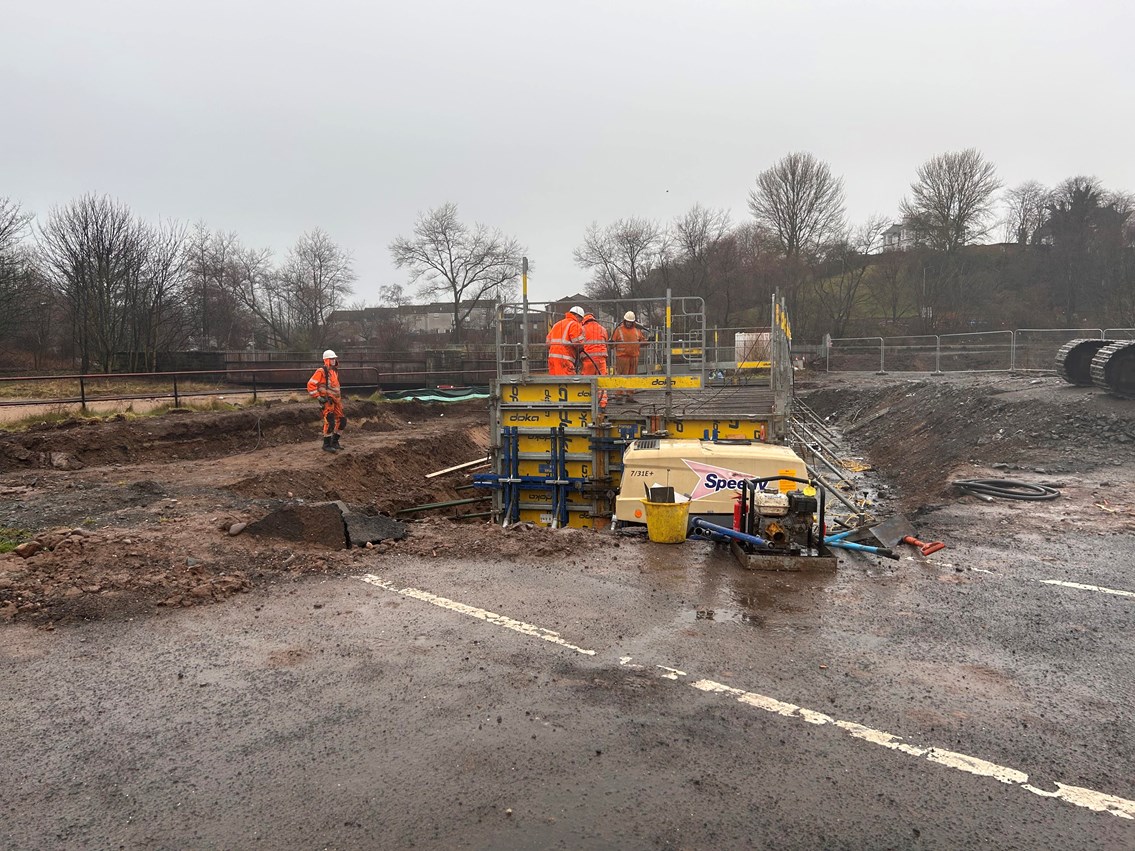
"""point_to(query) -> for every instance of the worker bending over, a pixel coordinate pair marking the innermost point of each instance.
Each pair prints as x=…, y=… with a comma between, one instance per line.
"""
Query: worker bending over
x=628, y=338
x=324, y=386
x=565, y=342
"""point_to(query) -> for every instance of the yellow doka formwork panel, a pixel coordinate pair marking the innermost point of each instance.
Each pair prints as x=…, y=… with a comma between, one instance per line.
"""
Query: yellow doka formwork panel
x=683, y=429
x=577, y=444
x=559, y=393
x=536, y=418
x=575, y=469
x=537, y=407
x=648, y=382
x=578, y=391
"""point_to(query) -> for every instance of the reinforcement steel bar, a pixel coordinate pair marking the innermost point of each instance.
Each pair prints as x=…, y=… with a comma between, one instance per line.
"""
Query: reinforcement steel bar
x=827, y=463
x=434, y=505
x=834, y=492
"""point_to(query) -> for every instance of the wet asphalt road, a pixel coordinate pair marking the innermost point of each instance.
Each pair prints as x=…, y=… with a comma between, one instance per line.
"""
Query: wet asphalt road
x=331, y=713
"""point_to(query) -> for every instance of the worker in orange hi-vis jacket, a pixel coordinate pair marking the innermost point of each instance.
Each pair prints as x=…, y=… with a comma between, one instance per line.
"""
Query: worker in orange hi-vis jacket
x=593, y=360
x=627, y=338
x=324, y=386
x=565, y=342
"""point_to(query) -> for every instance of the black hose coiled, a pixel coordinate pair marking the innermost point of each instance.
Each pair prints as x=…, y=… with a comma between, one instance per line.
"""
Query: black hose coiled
x=1006, y=489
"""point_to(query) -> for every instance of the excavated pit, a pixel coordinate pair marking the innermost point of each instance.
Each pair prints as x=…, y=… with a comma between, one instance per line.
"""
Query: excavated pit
x=138, y=519
x=924, y=433
x=140, y=516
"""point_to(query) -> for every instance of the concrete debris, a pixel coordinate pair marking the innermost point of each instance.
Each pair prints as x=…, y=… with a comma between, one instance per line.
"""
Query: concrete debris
x=330, y=524
x=321, y=525
x=363, y=529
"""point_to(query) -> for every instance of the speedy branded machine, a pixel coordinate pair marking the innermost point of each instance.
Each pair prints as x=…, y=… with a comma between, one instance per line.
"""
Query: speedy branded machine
x=755, y=496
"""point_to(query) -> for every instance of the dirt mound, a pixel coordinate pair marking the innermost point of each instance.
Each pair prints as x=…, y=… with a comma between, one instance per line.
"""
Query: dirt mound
x=140, y=518
x=78, y=443
x=921, y=432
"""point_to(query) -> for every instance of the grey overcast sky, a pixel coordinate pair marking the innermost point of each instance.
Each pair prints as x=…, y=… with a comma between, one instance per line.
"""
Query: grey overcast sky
x=270, y=117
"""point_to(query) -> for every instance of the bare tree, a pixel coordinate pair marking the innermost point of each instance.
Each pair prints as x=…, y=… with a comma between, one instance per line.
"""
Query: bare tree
x=317, y=279
x=16, y=267
x=394, y=295
x=468, y=265
x=162, y=322
x=154, y=297
x=13, y=226
x=93, y=250
x=697, y=235
x=256, y=287
x=1026, y=206
x=1087, y=228
x=621, y=256
x=847, y=262
x=210, y=253
x=951, y=203
x=801, y=202
x=121, y=281
x=891, y=284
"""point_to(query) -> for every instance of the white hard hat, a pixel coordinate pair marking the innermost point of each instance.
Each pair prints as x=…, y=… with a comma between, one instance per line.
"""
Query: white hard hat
x=577, y=310
x=330, y=355
x=628, y=316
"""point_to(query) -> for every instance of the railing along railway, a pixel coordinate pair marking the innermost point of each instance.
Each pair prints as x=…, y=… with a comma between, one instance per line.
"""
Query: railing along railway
x=89, y=388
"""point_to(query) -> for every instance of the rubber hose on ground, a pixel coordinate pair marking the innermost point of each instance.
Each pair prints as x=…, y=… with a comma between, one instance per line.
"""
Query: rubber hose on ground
x=1006, y=489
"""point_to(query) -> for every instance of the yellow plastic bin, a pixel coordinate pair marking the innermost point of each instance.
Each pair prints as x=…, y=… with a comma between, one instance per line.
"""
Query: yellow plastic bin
x=666, y=522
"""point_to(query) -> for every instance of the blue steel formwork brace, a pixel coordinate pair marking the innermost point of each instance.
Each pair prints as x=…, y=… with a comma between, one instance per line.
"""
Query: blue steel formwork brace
x=505, y=490
x=554, y=479
x=559, y=480
x=514, y=477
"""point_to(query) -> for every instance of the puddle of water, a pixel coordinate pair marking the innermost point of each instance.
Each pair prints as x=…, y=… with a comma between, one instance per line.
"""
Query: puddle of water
x=724, y=616
x=719, y=591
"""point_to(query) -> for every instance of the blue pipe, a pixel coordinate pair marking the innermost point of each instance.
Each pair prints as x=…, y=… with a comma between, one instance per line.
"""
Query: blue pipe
x=839, y=536
x=848, y=545
x=726, y=532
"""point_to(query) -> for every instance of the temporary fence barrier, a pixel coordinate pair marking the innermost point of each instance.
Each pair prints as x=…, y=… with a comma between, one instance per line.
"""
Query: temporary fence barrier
x=1036, y=348
x=1025, y=349
x=85, y=389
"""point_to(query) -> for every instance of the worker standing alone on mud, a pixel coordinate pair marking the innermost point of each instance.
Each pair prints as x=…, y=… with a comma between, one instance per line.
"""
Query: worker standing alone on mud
x=324, y=386
x=565, y=341
x=628, y=338
x=593, y=360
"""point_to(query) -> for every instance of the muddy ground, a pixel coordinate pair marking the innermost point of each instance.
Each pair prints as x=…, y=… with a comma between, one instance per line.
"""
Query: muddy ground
x=922, y=434
x=132, y=516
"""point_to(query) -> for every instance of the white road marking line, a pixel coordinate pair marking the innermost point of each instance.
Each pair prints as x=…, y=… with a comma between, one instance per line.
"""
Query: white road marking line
x=1076, y=795
x=473, y=611
x=1098, y=588
x=1080, y=797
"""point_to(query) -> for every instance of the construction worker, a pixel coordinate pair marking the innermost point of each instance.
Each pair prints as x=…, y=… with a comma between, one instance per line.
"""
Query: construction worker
x=324, y=386
x=628, y=338
x=593, y=359
x=565, y=341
